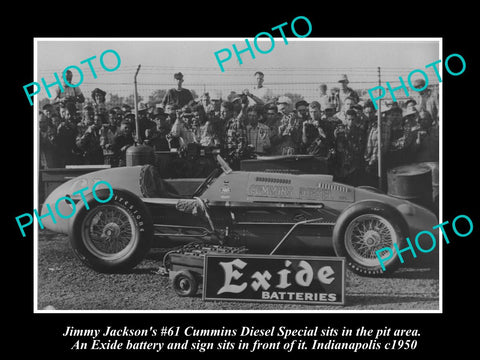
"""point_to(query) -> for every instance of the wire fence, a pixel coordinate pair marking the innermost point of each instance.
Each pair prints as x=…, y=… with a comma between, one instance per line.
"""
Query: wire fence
x=301, y=82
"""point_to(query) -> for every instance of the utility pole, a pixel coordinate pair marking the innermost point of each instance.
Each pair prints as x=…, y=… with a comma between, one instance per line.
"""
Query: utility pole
x=379, y=135
x=135, y=99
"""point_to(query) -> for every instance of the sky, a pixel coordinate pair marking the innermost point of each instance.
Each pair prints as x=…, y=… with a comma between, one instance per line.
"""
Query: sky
x=300, y=65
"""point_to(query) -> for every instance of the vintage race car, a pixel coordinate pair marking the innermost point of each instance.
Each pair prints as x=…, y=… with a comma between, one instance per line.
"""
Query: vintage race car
x=272, y=213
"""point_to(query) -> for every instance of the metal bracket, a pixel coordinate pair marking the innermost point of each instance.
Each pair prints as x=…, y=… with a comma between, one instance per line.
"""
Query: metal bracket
x=290, y=231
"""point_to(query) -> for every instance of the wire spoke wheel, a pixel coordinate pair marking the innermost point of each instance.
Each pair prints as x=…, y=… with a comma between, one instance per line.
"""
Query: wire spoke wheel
x=365, y=235
x=109, y=232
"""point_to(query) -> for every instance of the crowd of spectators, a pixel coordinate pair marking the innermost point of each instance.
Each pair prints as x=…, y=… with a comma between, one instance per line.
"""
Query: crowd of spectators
x=340, y=127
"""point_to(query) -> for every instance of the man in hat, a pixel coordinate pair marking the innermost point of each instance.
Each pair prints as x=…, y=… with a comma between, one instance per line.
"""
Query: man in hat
x=73, y=94
x=273, y=121
x=66, y=134
x=289, y=129
x=182, y=128
x=213, y=108
x=89, y=142
x=157, y=137
x=50, y=114
x=258, y=134
x=349, y=150
x=240, y=104
x=328, y=113
x=301, y=111
x=235, y=142
x=144, y=122
x=179, y=95
x=425, y=146
x=69, y=111
x=121, y=142
x=401, y=136
x=98, y=97
x=427, y=102
x=345, y=91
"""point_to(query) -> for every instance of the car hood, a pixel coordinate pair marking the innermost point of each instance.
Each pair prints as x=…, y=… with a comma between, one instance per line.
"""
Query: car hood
x=126, y=178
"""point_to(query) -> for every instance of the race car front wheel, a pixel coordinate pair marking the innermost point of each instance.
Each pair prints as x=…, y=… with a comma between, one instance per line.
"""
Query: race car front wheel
x=364, y=228
x=113, y=236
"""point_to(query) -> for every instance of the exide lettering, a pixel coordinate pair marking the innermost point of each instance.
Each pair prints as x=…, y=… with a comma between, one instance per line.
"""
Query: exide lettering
x=304, y=276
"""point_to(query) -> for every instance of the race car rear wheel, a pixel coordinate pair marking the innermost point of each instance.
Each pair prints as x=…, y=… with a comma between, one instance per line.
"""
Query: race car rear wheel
x=113, y=236
x=364, y=228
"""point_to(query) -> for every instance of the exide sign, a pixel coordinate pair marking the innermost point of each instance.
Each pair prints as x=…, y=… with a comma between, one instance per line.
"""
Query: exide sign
x=274, y=278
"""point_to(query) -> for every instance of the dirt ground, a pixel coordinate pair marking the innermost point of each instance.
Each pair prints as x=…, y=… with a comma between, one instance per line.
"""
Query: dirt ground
x=66, y=284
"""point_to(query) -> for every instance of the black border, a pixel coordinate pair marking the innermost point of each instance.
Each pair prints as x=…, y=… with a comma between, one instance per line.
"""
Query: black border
x=41, y=333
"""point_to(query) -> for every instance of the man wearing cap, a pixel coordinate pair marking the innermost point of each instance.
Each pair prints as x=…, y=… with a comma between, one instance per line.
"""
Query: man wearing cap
x=50, y=113
x=89, y=142
x=426, y=101
x=301, y=111
x=144, y=122
x=182, y=127
x=240, y=104
x=98, y=97
x=401, y=137
x=121, y=142
x=66, y=135
x=349, y=150
x=345, y=92
x=328, y=114
x=235, y=142
x=289, y=129
x=213, y=109
x=179, y=95
x=273, y=121
x=258, y=134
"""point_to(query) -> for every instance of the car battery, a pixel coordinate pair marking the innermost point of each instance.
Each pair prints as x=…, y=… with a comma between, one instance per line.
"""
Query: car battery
x=184, y=266
x=191, y=257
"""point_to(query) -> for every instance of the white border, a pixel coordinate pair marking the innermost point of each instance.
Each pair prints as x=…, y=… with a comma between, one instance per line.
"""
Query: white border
x=308, y=39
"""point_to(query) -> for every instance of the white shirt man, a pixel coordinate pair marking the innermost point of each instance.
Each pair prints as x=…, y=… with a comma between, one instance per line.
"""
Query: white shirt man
x=259, y=92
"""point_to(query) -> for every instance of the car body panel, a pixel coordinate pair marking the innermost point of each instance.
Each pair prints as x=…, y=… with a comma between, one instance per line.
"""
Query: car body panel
x=253, y=209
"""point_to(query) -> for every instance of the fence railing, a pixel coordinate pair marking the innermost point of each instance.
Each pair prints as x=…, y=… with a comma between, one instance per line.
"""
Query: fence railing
x=301, y=81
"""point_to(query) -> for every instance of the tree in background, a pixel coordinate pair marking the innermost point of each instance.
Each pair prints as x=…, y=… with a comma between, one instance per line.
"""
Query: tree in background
x=156, y=97
x=294, y=97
